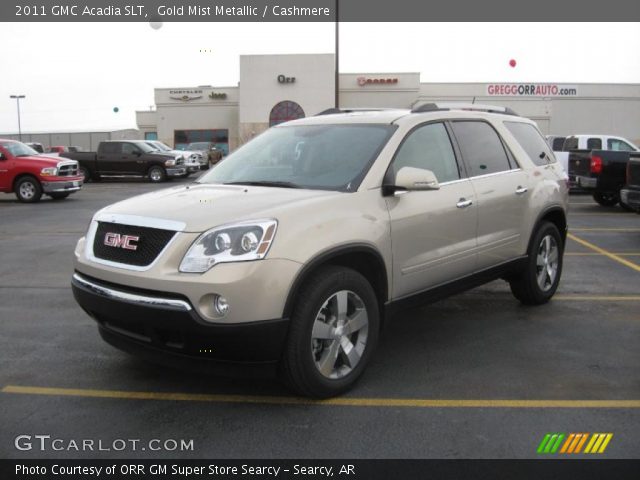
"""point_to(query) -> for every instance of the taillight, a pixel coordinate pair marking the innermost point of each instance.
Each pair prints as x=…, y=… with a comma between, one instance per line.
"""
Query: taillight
x=596, y=164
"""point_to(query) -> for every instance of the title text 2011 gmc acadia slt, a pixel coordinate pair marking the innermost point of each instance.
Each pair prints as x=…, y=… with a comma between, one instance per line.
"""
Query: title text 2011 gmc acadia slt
x=297, y=247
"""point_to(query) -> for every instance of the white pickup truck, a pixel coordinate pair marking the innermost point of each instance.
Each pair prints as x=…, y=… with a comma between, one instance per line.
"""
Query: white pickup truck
x=587, y=142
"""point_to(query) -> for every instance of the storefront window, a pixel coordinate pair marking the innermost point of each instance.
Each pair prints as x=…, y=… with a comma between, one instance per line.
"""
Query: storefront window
x=285, y=111
x=219, y=137
x=151, y=135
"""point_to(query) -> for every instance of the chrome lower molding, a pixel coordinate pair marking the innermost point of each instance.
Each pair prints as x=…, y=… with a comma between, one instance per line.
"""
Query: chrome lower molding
x=134, y=298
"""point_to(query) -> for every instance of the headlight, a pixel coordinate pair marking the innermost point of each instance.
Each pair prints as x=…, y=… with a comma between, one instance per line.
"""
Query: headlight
x=49, y=172
x=169, y=163
x=229, y=243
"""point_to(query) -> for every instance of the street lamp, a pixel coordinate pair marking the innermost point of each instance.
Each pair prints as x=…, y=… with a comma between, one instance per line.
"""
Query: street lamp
x=18, y=97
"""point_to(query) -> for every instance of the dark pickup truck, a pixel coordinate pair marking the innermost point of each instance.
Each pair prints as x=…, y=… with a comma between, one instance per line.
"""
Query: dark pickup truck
x=630, y=194
x=128, y=158
x=601, y=172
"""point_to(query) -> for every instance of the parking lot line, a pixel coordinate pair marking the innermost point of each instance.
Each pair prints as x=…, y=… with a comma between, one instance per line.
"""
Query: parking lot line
x=604, y=252
x=591, y=254
x=341, y=401
x=598, y=298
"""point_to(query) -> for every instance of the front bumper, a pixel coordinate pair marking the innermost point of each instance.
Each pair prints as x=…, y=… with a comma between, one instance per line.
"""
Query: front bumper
x=631, y=197
x=166, y=326
x=176, y=172
x=62, y=186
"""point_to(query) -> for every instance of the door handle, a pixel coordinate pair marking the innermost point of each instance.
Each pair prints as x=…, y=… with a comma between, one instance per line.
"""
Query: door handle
x=520, y=190
x=464, y=203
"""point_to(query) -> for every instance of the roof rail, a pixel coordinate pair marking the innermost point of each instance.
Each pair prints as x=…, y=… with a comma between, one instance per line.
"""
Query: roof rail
x=435, y=107
x=330, y=111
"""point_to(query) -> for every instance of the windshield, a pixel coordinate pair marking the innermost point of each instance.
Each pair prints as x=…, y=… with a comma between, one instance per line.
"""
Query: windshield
x=198, y=146
x=327, y=157
x=160, y=146
x=18, y=149
x=145, y=147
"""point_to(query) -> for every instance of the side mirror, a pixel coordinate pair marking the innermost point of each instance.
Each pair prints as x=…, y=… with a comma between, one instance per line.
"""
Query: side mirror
x=410, y=178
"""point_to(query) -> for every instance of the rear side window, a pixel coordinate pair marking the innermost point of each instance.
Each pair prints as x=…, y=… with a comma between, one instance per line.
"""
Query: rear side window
x=571, y=143
x=557, y=144
x=481, y=148
x=619, y=145
x=428, y=147
x=531, y=141
x=110, y=147
x=594, y=144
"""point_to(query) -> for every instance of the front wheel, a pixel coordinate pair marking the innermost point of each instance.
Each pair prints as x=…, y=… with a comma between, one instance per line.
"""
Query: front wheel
x=157, y=174
x=334, y=329
x=28, y=190
x=538, y=282
x=606, y=199
x=86, y=174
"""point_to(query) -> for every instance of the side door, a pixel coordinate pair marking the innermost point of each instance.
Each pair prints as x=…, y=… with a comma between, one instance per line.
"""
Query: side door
x=107, y=157
x=501, y=187
x=433, y=232
x=131, y=160
x=6, y=165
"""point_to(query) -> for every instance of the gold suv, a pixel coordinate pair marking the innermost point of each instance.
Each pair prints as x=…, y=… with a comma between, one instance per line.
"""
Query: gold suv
x=295, y=249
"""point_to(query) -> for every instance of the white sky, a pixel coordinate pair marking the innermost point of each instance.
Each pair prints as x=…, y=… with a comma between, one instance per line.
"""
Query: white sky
x=73, y=74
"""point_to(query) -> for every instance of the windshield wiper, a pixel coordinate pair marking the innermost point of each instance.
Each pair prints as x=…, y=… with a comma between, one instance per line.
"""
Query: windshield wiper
x=265, y=183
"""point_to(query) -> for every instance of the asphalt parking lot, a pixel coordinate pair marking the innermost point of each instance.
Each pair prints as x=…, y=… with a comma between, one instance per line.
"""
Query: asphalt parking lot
x=474, y=376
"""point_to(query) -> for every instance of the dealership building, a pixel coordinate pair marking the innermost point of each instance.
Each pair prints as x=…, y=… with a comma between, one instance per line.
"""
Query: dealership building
x=277, y=88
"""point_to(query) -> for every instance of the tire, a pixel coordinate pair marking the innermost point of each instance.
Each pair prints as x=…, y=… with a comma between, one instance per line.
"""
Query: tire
x=86, y=174
x=28, y=190
x=156, y=174
x=315, y=362
x=606, y=199
x=58, y=196
x=538, y=282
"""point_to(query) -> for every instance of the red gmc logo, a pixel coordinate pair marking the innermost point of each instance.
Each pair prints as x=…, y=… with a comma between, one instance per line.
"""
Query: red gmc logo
x=121, y=241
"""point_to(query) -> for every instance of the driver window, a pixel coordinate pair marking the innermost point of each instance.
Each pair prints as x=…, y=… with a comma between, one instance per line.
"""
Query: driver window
x=428, y=147
x=129, y=148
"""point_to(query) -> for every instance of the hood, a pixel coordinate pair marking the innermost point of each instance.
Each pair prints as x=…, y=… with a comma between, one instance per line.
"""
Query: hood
x=44, y=160
x=204, y=206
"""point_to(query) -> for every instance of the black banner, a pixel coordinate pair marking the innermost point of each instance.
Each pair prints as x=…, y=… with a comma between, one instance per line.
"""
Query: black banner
x=314, y=11
x=318, y=469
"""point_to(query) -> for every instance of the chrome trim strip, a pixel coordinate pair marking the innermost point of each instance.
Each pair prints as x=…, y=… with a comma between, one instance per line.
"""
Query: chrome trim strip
x=495, y=174
x=134, y=298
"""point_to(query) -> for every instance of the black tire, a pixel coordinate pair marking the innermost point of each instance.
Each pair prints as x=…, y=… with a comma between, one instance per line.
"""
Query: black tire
x=86, y=174
x=303, y=352
x=606, y=199
x=58, y=196
x=28, y=190
x=157, y=174
x=525, y=285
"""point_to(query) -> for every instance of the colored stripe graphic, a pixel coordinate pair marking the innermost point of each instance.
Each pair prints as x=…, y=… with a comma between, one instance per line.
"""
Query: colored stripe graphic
x=572, y=443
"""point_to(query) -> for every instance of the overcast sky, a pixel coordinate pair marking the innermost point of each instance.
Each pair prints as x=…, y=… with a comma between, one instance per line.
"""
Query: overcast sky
x=74, y=74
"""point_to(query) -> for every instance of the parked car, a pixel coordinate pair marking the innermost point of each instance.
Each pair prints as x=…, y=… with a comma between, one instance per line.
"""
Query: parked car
x=588, y=142
x=208, y=149
x=128, y=158
x=298, y=246
x=38, y=147
x=194, y=161
x=600, y=172
x=29, y=175
x=630, y=194
x=57, y=149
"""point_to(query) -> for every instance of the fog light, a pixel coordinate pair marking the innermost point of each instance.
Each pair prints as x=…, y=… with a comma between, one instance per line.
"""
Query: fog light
x=221, y=305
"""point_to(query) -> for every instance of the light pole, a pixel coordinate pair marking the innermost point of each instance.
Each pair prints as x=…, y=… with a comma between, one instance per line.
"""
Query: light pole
x=337, y=45
x=18, y=97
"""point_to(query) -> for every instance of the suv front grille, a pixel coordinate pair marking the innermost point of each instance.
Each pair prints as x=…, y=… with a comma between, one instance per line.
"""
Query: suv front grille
x=145, y=243
x=68, y=170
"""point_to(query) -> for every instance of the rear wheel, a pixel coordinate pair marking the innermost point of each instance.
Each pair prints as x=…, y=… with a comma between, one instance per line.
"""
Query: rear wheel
x=156, y=174
x=538, y=282
x=86, y=175
x=334, y=329
x=606, y=199
x=28, y=190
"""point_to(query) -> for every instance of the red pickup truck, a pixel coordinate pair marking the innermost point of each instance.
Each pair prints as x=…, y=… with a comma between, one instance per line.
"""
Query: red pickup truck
x=29, y=174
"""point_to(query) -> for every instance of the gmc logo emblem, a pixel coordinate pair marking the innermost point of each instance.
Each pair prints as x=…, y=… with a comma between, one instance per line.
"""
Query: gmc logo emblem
x=121, y=241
